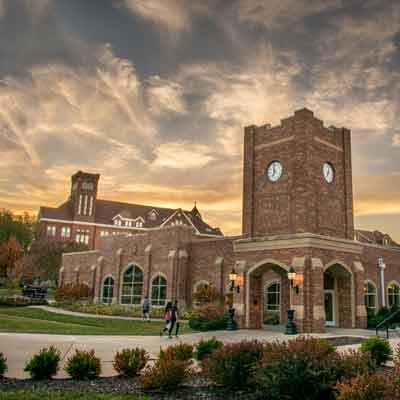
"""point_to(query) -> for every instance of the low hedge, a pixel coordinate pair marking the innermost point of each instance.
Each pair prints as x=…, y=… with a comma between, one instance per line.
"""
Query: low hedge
x=20, y=301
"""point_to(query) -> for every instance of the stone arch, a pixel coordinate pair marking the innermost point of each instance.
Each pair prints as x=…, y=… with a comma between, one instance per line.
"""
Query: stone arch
x=102, y=287
x=254, y=309
x=344, y=299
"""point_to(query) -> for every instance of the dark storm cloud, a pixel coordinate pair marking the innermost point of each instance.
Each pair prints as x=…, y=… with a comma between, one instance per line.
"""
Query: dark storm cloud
x=154, y=94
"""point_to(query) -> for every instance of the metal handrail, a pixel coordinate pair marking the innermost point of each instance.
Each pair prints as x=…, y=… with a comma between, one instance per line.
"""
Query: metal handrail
x=386, y=322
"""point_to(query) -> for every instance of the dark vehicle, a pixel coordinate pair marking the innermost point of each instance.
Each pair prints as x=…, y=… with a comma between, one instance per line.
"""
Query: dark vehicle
x=34, y=292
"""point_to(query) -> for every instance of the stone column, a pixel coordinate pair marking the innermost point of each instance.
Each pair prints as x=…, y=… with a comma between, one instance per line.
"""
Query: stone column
x=93, y=271
x=360, y=309
x=317, y=296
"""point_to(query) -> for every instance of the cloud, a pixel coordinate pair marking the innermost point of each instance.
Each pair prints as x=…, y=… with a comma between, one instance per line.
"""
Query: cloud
x=165, y=97
x=172, y=15
x=2, y=8
x=278, y=13
x=35, y=9
x=396, y=140
x=182, y=156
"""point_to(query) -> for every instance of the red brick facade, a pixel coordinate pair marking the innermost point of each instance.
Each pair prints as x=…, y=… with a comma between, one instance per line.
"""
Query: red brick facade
x=302, y=219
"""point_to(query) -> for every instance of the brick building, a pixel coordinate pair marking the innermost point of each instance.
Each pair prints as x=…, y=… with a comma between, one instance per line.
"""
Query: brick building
x=297, y=212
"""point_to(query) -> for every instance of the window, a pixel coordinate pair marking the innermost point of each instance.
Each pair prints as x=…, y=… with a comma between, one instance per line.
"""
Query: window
x=158, y=291
x=132, y=285
x=65, y=232
x=104, y=233
x=153, y=216
x=117, y=222
x=393, y=294
x=51, y=230
x=108, y=290
x=370, y=295
x=273, y=297
x=82, y=236
x=139, y=224
x=91, y=206
x=85, y=204
x=80, y=205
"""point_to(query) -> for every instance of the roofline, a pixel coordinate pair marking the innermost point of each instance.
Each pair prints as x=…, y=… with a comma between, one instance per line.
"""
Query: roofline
x=115, y=226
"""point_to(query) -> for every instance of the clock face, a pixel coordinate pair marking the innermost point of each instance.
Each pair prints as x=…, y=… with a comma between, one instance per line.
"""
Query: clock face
x=328, y=172
x=274, y=171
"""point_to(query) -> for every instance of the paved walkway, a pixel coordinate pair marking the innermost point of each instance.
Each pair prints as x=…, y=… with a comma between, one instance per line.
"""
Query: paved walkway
x=19, y=347
x=57, y=310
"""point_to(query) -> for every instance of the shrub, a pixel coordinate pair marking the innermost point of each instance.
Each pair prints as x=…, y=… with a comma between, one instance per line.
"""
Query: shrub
x=72, y=292
x=232, y=364
x=209, y=317
x=166, y=374
x=129, y=362
x=206, y=294
x=353, y=363
x=3, y=365
x=83, y=365
x=206, y=347
x=20, y=301
x=180, y=352
x=379, y=349
x=45, y=364
x=272, y=319
x=304, y=368
x=363, y=387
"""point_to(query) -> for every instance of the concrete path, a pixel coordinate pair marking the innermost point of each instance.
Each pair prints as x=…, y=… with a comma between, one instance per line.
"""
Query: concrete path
x=20, y=347
x=57, y=310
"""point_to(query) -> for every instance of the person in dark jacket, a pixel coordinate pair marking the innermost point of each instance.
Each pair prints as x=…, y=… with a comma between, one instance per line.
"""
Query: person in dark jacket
x=146, y=309
x=174, y=320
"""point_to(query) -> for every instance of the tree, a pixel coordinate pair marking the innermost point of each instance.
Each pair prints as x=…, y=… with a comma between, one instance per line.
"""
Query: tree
x=206, y=294
x=10, y=252
x=44, y=258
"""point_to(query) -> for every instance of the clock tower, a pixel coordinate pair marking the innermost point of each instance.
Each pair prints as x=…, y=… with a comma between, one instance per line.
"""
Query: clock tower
x=83, y=196
x=297, y=178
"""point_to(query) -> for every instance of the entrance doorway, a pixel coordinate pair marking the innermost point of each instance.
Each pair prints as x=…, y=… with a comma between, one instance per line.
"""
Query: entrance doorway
x=330, y=312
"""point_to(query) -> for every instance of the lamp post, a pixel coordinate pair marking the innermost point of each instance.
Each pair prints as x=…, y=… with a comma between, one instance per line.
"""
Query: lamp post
x=291, y=328
x=235, y=281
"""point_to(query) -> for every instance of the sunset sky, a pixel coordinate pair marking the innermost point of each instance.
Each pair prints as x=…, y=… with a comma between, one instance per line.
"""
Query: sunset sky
x=154, y=95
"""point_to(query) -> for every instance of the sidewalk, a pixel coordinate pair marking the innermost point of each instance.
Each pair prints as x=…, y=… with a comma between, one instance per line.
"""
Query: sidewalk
x=57, y=310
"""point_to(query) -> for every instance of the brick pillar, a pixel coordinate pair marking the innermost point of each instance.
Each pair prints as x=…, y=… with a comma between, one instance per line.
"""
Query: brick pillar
x=76, y=271
x=147, y=271
x=317, y=296
x=99, y=279
x=172, y=274
x=181, y=281
x=61, y=276
x=239, y=299
x=118, y=277
x=93, y=273
x=360, y=309
x=345, y=301
x=298, y=264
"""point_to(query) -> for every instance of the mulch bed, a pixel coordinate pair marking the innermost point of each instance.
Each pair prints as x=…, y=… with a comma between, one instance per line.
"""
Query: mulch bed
x=116, y=385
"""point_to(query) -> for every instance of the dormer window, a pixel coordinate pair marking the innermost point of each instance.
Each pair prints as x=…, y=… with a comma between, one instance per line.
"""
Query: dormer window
x=139, y=224
x=117, y=222
x=152, y=215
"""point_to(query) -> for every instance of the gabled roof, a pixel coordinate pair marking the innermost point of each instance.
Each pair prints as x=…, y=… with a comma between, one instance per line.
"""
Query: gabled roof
x=375, y=237
x=107, y=210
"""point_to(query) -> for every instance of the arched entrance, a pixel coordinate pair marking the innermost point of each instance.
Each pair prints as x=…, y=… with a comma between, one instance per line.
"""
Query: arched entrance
x=339, y=296
x=267, y=294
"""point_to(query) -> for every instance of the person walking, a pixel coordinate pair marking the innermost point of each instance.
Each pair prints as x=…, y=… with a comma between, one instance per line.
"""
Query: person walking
x=146, y=309
x=167, y=317
x=174, y=320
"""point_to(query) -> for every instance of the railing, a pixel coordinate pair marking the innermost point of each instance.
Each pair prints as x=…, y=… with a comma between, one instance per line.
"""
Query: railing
x=386, y=323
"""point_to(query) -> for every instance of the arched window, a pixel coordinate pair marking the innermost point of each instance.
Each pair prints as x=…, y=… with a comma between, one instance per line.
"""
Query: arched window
x=393, y=294
x=132, y=285
x=108, y=290
x=158, y=291
x=370, y=295
x=273, y=297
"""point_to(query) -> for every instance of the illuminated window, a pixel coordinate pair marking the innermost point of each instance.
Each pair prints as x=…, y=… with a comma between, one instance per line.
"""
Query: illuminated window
x=51, y=230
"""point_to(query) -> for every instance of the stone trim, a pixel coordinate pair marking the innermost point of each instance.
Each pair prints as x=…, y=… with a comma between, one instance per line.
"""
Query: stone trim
x=263, y=146
x=332, y=146
x=297, y=241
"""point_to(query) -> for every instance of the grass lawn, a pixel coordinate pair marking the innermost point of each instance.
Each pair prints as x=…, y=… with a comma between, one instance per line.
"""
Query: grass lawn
x=31, y=320
x=10, y=292
x=31, y=395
